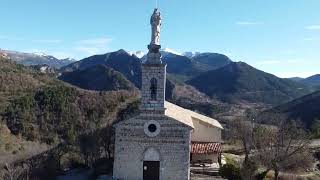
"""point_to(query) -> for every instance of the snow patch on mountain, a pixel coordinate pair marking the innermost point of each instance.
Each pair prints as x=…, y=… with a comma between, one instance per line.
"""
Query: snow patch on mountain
x=139, y=54
x=191, y=54
x=168, y=50
x=68, y=59
x=40, y=54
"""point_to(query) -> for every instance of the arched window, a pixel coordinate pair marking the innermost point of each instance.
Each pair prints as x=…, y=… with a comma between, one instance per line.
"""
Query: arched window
x=153, y=89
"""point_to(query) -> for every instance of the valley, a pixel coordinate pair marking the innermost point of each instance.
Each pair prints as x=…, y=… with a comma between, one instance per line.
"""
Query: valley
x=62, y=111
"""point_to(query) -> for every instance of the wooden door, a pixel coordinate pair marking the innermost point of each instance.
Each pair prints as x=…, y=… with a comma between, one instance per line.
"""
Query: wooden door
x=151, y=170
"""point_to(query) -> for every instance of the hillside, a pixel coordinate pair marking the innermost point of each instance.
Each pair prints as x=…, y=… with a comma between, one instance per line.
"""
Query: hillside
x=184, y=67
x=181, y=65
x=38, y=108
x=100, y=78
x=17, y=80
x=238, y=82
x=312, y=80
x=121, y=61
x=212, y=60
x=28, y=59
x=305, y=109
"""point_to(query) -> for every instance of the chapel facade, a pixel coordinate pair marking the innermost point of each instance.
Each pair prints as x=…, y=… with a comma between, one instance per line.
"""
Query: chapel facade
x=164, y=139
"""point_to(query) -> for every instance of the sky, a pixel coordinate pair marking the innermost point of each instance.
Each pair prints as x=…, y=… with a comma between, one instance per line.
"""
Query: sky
x=281, y=37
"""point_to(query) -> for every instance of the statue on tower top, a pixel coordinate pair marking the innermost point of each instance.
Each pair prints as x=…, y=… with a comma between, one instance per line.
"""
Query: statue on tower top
x=154, y=55
x=155, y=22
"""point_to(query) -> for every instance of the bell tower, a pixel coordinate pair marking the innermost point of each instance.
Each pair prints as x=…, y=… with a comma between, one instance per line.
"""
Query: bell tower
x=154, y=144
x=153, y=71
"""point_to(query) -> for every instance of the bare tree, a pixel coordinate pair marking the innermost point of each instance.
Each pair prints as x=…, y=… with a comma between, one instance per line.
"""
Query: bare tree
x=284, y=147
x=106, y=140
x=11, y=172
x=242, y=130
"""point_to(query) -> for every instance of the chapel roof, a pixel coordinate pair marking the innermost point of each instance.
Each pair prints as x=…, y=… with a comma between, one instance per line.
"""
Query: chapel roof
x=187, y=116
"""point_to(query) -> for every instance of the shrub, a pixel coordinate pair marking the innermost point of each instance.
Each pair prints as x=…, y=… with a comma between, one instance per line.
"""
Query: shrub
x=8, y=147
x=230, y=171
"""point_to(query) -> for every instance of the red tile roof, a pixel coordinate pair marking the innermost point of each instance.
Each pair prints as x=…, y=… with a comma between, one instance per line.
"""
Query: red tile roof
x=205, y=147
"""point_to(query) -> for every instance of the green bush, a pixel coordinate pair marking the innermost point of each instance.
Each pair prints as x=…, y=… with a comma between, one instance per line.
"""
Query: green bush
x=230, y=171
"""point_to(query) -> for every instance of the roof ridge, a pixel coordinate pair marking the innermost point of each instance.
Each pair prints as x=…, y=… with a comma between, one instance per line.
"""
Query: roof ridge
x=192, y=114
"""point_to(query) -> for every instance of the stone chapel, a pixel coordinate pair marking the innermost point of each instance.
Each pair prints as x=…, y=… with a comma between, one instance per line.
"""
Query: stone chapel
x=156, y=144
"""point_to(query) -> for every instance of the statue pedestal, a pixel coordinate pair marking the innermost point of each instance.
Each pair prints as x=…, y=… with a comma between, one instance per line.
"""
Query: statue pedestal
x=154, y=48
x=154, y=55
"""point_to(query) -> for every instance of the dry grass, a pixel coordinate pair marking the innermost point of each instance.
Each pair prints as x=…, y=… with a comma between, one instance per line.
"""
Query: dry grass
x=13, y=148
x=292, y=176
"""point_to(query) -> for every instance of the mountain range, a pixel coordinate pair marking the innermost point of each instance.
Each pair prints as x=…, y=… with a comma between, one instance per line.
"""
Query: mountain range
x=210, y=73
x=199, y=81
x=313, y=80
x=239, y=81
x=35, y=58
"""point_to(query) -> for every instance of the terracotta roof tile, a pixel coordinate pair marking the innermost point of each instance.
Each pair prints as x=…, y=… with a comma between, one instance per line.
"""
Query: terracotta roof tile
x=205, y=147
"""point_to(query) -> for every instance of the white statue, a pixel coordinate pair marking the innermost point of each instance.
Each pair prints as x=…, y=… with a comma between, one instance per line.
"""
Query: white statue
x=155, y=22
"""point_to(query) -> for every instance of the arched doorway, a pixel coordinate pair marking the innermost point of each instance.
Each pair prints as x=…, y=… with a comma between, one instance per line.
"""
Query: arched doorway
x=151, y=164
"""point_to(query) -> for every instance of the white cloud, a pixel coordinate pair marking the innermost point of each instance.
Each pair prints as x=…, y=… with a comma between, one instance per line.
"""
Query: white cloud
x=313, y=27
x=249, y=23
x=93, y=46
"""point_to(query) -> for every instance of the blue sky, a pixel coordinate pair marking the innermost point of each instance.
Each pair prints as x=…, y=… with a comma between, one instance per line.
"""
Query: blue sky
x=277, y=36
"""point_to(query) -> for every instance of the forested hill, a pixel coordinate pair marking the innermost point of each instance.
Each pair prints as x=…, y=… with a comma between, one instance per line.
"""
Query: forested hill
x=305, y=109
x=99, y=77
x=239, y=81
x=40, y=108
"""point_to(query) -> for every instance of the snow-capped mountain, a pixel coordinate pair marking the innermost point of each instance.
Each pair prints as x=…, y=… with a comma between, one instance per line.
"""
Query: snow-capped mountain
x=139, y=54
x=164, y=52
x=37, y=58
x=68, y=59
x=167, y=51
x=40, y=53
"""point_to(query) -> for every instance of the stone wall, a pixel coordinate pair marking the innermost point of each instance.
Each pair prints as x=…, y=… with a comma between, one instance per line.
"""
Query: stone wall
x=149, y=71
x=172, y=144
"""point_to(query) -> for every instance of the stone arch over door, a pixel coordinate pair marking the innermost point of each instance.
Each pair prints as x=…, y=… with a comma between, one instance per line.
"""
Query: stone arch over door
x=151, y=154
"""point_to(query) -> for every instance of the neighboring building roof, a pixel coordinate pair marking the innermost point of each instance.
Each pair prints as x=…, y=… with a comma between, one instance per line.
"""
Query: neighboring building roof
x=186, y=116
x=205, y=148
